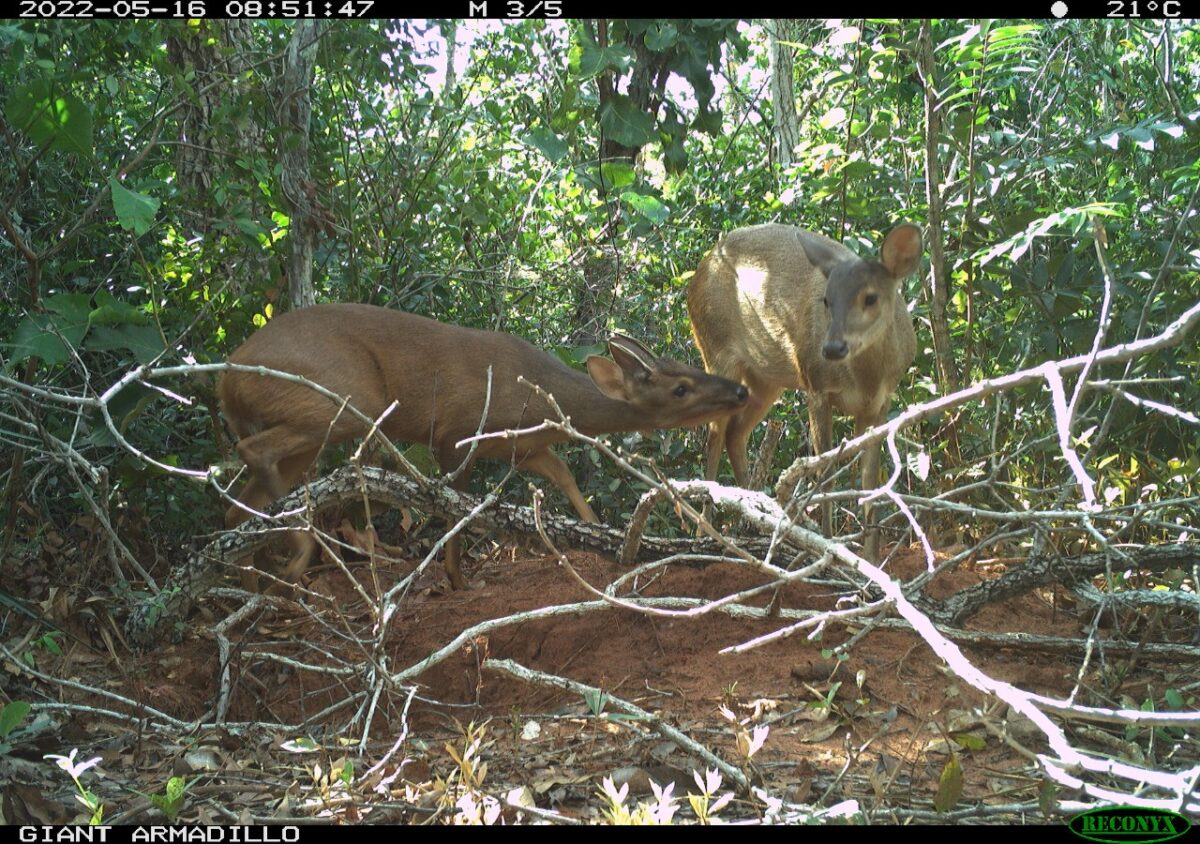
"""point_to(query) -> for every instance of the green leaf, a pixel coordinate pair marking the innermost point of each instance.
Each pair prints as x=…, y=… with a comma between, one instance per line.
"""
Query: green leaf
x=950, y=785
x=52, y=336
x=547, y=143
x=970, y=741
x=617, y=174
x=35, y=338
x=625, y=123
x=11, y=715
x=250, y=227
x=662, y=35
x=300, y=745
x=1142, y=138
x=134, y=211
x=671, y=133
x=113, y=311
x=143, y=340
x=709, y=120
x=64, y=121
x=124, y=407
x=647, y=206
x=51, y=644
x=593, y=60
x=71, y=307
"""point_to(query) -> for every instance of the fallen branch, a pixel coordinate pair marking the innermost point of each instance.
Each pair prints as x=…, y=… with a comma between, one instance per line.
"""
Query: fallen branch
x=203, y=569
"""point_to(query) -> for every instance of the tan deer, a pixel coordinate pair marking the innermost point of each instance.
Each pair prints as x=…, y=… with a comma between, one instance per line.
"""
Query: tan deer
x=780, y=308
x=438, y=373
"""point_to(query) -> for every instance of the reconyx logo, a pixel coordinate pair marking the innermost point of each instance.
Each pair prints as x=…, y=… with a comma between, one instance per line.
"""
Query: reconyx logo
x=1121, y=824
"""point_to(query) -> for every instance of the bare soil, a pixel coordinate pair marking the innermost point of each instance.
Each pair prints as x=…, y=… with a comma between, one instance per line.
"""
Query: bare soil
x=877, y=726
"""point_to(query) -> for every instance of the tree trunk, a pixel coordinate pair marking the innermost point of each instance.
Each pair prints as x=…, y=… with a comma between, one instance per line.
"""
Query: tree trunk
x=215, y=56
x=947, y=374
x=783, y=89
x=299, y=191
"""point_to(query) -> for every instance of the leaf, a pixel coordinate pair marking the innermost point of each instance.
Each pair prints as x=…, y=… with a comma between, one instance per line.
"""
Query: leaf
x=143, y=340
x=124, y=407
x=671, y=133
x=113, y=311
x=662, y=35
x=12, y=714
x=617, y=174
x=51, y=644
x=593, y=60
x=1074, y=218
x=250, y=227
x=52, y=336
x=950, y=785
x=547, y=143
x=134, y=211
x=1048, y=798
x=647, y=206
x=625, y=123
x=709, y=120
x=64, y=121
x=1142, y=138
x=970, y=741
x=300, y=745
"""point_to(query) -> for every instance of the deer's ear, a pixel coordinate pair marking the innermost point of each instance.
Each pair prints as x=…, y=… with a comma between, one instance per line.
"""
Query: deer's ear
x=901, y=250
x=608, y=377
x=631, y=355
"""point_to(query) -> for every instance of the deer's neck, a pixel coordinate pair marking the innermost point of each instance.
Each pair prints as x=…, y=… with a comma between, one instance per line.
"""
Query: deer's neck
x=591, y=412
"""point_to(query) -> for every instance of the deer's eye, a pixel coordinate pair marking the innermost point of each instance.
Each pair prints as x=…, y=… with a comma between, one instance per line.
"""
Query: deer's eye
x=871, y=299
x=681, y=390
x=825, y=301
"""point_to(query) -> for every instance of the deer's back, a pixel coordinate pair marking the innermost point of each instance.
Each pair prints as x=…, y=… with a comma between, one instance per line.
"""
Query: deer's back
x=437, y=373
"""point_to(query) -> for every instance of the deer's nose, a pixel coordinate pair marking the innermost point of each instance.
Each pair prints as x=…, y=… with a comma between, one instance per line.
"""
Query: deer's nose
x=835, y=349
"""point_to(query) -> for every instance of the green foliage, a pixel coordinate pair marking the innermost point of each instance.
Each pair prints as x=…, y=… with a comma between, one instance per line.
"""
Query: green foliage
x=487, y=197
x=61, y=121
x=47, y=642
x=73, y=326
x=11, y=715
x=134, y=211
x=171, y=801
x=596, y=700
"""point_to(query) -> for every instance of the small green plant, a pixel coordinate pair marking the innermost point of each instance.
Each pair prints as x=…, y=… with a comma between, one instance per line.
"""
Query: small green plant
x=76, y=769
x=658, y=813
x=463, y=788
x=171, y=800
x=47, y=642
x=11, y=715
x=826, y=702
x=596, y=700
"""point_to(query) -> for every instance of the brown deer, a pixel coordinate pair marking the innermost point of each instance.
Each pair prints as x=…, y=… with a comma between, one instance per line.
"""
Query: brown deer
x=438, y=373
x=780, y=308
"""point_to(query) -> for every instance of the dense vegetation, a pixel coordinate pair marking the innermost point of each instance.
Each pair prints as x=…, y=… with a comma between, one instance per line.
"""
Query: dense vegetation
x=164, y=184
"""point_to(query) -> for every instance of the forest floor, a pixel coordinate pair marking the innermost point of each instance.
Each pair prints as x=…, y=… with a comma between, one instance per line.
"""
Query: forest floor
x=887, y=725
